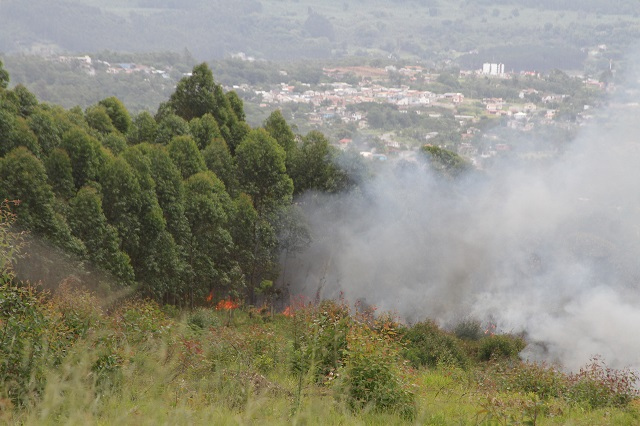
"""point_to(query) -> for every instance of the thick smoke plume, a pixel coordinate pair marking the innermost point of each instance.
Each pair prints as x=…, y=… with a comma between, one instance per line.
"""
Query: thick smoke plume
x=551, y=250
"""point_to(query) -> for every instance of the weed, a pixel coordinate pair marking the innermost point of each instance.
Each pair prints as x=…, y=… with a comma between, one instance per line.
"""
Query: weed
x=469, y=329
x=321, y=339
x=372, y=377
x=202, y=319
x=502, y=346
x=140, y=320
x=427, y=345
x=598, y=386
x=24, y=334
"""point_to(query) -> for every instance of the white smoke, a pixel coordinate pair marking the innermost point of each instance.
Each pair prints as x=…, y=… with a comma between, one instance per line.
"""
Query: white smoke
x=551, y=250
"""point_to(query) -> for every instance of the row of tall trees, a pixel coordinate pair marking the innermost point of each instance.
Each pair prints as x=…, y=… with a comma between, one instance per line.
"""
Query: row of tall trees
x=185, y=204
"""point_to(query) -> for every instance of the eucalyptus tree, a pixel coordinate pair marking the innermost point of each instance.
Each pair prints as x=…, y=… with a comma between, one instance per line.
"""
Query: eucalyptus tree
x=88, y=223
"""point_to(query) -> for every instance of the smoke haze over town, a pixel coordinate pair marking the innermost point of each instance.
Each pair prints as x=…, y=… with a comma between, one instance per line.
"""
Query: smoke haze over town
x=548, y=249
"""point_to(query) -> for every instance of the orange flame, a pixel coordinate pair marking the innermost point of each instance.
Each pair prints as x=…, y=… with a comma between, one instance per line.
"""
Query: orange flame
x=210, y=296
x=491, y=329
x=288, y=312
x=227, y=305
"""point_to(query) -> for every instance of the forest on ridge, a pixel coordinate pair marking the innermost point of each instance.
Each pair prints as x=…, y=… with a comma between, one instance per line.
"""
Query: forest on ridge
x=187, y=204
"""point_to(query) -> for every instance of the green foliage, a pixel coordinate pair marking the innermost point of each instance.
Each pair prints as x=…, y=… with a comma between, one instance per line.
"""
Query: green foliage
x=33, y=339
x=262, y=171
x=186, y=156
x=204, y=130
x=4, y=77
x=122, y=202
x=593, y=387
x=206, y=208
x=143, y=129
x=218, y=159
x=10, y=240
x=203, y=319
x=169, y=189
x=542, y=380
x=23, y=349
x=64, y=359
x=15, y=132
x=320, y=342
x=23, y=177
x=115, y=142
x=89, y=224
x=26, y=102
x=22, y=135
x=596, y=385
x=140, y=320
x=450, y=81
x=469, y=329
x=361, y=363
x=243, y=226
x=278, y=129
x=446, y=162
x=314, y=166
x=46, y=128
x=86, y=155
x=427, y=345
x=79, y=310
x=500, y=346
x=117, y=113
x=99, y=120
x=371, y=377
x=194, y=96
x=126, y=206
x=168, y=128
x=156, y=259
x=236, y=105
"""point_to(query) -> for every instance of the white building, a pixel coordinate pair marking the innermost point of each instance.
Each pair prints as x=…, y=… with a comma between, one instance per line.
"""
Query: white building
x=492, y=69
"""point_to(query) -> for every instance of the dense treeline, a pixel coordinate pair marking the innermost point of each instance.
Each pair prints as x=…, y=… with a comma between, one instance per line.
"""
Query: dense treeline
x=185, y=204
x=595, y=6
x=69, y=84
x=523, y=34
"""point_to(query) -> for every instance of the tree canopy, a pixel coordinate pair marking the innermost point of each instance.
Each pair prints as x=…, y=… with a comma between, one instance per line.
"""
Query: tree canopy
x=182, y=205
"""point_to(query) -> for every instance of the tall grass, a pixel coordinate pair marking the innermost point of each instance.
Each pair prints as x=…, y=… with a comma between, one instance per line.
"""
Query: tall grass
x=75, y=362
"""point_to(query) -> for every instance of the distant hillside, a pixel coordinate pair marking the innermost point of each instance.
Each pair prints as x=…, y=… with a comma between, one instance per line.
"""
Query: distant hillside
x=522, y=33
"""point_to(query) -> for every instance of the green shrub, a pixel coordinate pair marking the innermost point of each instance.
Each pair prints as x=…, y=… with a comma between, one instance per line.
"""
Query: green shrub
x=503, y=346
x=469, y=329
x=530, y=378
x=140, y=320
x=320, y=339
x=25, y=325
x=107, y=368
x=202, y=319
x=427, y=345
x=79, y=309
x=256, y=348
x=265, y=348
x=10, y=242
x=371, y=377
x=598, y=386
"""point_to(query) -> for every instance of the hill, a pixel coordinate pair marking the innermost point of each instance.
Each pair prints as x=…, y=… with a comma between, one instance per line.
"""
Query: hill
x=520, y=33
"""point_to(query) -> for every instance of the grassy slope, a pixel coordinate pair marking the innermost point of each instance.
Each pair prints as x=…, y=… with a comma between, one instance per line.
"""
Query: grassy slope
x=137, y=366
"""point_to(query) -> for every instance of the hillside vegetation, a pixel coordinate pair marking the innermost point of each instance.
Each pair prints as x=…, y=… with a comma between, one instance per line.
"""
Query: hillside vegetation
x=520, y=33
x=72, y=358
x=190, y=204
